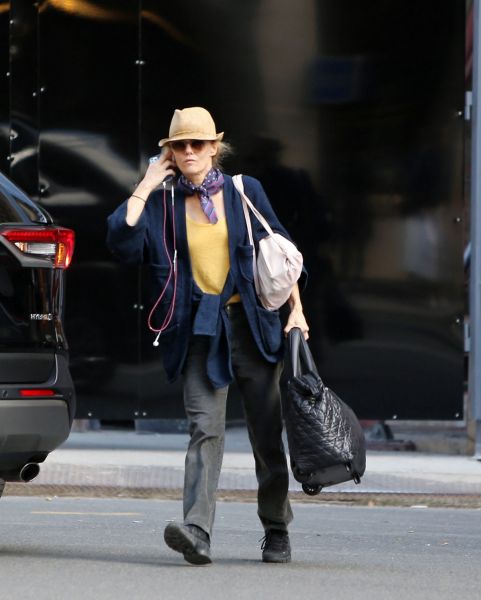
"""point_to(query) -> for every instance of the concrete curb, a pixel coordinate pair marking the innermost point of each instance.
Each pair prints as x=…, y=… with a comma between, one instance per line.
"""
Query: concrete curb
x=472, y=501
x=146, y=464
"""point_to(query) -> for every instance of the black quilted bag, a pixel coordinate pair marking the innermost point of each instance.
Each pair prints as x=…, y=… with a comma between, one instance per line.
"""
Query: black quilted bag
x=326, y=441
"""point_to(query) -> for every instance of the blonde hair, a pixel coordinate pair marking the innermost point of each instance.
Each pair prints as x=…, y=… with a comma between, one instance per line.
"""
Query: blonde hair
x=224, y=149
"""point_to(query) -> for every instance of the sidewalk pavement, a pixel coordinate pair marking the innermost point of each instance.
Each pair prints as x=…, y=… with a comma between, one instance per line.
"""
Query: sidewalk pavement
x=128, y=459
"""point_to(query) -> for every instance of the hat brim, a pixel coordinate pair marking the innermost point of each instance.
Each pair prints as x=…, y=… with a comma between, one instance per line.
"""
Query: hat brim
x=192, y=135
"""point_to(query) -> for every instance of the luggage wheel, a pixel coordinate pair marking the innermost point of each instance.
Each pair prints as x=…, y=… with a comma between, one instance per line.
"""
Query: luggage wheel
x=311, y=490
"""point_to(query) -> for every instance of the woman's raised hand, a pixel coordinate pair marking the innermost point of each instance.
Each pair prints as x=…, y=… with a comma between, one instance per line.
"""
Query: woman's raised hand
x=160, y=167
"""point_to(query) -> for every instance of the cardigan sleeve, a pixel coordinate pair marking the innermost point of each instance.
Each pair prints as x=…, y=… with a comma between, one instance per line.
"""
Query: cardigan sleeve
x=125, y=241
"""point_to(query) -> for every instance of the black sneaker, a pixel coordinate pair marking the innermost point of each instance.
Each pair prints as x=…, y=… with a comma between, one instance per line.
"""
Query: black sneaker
x=192, y=541
x=276, y=547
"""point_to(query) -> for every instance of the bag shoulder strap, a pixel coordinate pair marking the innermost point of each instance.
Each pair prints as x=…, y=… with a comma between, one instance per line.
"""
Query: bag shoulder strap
x=239, y=185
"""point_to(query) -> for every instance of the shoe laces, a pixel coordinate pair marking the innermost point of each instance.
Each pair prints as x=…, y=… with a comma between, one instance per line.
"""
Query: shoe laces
x=275, y=538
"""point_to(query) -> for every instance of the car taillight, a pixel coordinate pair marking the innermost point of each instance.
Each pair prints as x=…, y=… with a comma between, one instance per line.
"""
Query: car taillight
x=36, y=393
x=57, y=243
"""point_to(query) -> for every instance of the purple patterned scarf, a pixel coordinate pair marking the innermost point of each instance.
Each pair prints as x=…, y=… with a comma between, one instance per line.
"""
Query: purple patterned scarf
x=213, y=182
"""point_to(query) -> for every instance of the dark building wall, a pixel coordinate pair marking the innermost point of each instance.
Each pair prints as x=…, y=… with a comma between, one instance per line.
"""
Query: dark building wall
x=347, y=112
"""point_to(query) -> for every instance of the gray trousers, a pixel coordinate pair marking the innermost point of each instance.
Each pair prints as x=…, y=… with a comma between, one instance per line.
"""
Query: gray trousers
x=205, y=407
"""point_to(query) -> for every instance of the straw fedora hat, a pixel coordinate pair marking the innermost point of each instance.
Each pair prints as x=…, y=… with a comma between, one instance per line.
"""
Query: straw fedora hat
x=194, y=123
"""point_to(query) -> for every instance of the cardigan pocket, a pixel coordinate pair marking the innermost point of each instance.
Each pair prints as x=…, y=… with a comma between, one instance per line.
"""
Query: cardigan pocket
x=270, y=327
x=159, y=275
x=245, y=256
x=166, y=337
x=169, y=347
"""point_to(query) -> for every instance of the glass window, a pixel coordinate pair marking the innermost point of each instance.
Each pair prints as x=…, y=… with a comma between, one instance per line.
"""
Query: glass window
x=7, y=212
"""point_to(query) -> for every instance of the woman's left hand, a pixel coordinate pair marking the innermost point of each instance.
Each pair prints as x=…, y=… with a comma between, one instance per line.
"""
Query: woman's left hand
x=297, y=319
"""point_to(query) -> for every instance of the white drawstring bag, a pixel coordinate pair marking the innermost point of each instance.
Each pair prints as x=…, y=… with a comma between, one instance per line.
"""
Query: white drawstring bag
x=279, y=263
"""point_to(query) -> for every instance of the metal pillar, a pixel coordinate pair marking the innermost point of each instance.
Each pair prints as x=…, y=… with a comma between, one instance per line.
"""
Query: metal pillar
x=475, y=270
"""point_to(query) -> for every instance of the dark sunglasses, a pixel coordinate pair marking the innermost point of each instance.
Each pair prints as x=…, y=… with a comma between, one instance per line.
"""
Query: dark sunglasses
x=182, y=144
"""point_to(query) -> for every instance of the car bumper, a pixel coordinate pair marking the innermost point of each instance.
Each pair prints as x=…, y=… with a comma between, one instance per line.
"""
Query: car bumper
x=30, y=428
x=32, y=425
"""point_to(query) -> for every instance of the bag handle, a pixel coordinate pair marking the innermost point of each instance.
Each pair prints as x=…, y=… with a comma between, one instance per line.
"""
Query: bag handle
x=300, y=353
x=239, y=185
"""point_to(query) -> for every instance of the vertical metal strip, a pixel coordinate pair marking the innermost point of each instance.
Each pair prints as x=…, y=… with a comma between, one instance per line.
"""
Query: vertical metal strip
x=475, y=273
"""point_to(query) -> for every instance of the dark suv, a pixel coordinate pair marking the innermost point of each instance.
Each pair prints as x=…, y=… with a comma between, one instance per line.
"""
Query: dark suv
x=37, y=398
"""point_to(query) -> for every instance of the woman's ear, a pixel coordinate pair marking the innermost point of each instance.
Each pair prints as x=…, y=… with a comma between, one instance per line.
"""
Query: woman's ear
x=213, y=149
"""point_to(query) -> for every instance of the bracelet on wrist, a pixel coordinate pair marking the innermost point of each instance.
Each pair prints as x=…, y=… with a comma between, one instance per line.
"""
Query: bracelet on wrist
x=135, y=196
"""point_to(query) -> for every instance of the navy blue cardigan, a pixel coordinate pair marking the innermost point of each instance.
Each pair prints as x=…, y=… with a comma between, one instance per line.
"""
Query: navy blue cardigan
x=197, y=313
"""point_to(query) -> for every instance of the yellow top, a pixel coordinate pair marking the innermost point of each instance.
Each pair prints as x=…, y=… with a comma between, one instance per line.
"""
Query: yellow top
x=209, y=255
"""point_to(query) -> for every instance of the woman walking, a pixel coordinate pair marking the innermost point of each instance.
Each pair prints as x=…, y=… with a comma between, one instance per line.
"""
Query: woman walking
x=215, y=330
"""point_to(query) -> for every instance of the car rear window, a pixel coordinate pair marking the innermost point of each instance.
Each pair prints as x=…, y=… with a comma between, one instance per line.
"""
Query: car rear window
x=8, y=214
x=15, y=205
